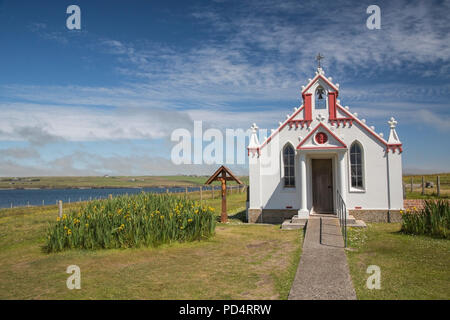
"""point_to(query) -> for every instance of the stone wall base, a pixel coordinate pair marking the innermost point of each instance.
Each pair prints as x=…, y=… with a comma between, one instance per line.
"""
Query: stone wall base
x=274, y=216
x=376, y=215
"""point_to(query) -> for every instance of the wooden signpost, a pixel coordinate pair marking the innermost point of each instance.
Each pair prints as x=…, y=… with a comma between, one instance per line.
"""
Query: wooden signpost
x=223, y=174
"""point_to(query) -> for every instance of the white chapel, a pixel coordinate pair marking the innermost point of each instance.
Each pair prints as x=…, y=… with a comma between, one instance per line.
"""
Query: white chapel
x=320, y=156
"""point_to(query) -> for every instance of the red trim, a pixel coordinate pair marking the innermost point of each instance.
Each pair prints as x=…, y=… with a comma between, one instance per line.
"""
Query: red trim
x=393, y=147
x=344, y=121
x=324, y=79
x=321, y=148
x=301, y=122
x=308, y=107
x=388, y=146
x=332, y=105
x=253, y=151
x=362, y=125
x=344, y=146
x=281, y=127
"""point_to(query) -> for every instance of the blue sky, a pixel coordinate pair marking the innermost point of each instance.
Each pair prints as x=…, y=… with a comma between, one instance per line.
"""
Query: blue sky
x=105, y=99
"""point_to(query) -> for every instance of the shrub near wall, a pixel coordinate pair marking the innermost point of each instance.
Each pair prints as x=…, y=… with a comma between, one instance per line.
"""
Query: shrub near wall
x=131, y=221
x=433, y=219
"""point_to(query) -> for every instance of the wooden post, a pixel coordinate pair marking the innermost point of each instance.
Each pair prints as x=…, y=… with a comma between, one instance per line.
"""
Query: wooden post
x=423, y=185
x=438, y=185
x=60, y=208
x=42, y=202
x=186, y=192
x=212, y=191
x=223, y=214
x=201, y=194
x=221, y=175
x=411, y=184
x=110, y=196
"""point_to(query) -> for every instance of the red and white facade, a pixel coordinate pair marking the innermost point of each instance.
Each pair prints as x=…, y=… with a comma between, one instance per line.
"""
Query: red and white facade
x=357, y=163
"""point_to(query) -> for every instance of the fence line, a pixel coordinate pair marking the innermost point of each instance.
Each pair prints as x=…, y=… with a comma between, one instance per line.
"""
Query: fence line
x=423, y=183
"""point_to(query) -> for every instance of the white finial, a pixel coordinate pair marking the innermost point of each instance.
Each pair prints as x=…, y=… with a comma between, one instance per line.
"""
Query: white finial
x=254, y=142
x=280, y=123
x=337, y=85
x=309, y=79
x=295, y=108
x=381, y=134
x=338, y=101
x=393, y=137
x=303, y=87
x=272, y=130
x=347, y=108
x=287, y=116
x=330, y=78
x=372, y=127
x=392, y=123
x=355, y=114
x=363, y=120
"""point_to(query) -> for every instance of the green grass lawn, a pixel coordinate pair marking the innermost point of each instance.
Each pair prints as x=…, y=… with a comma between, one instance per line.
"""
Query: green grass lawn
x=103, y=182
x=240, y=262
x=412, y=267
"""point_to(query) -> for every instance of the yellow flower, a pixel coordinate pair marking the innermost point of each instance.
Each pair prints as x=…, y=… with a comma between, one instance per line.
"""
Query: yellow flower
x=64, y=217
x=162, y=217
x=69, y=232
x=401, y=211
x=58, y=219
x=87, y=225
x=181, y=228
x=189, y=220
x=65, y=227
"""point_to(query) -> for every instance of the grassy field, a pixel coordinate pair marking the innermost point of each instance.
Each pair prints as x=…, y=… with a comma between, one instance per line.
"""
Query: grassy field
x=240, y=262
x=412, y=267
x=430, y=193
x=104, y=182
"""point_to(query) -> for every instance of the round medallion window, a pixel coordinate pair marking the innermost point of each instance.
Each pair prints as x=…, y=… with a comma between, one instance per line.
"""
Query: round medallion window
x=321, y=138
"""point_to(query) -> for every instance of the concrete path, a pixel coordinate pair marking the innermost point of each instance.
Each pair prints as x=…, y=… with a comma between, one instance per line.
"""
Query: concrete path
x=323, y=271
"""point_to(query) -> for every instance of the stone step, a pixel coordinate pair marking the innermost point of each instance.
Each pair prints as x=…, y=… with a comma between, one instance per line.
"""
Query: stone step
x=289, y=225
x=296, y=219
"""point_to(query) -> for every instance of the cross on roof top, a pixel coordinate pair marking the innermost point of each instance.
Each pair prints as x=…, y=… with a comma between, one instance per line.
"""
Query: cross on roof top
x=318, y=58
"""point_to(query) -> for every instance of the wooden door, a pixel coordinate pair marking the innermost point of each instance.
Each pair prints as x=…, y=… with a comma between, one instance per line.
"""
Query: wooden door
x=322, y=183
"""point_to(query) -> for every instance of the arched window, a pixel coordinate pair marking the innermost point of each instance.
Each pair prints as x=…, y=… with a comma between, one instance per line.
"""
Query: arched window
x=321, y=99
x=288, y=162
x=356, y=165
